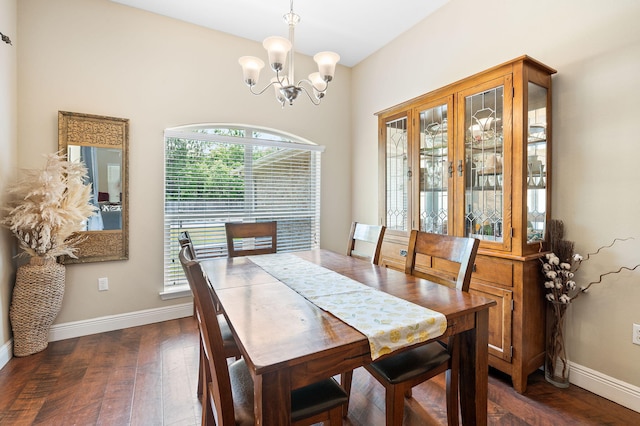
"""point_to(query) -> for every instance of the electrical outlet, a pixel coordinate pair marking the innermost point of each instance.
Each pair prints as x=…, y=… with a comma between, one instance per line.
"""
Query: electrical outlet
x=103, y=284
x=636, y=334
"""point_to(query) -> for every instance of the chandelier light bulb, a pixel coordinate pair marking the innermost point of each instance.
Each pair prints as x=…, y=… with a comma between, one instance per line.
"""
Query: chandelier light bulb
x=318, y=82
x=319, y=85
x=326, y=64
x=251, y=67
x=277, y=49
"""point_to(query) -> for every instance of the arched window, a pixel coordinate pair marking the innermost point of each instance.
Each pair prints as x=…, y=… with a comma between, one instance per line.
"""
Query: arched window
x=236, y=173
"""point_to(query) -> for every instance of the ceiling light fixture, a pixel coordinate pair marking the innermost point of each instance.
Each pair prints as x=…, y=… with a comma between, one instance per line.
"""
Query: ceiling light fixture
x=285, y=88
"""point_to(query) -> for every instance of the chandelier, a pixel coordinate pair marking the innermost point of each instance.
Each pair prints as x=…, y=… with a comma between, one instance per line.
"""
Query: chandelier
x=286, y=89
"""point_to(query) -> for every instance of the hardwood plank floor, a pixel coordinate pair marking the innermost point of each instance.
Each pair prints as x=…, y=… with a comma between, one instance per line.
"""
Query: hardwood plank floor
x=147, y=376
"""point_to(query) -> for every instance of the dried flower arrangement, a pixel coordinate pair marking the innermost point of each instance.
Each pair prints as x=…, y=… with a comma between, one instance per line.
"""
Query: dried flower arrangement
x=560, y=265
x=49, y=208
x=558, y=269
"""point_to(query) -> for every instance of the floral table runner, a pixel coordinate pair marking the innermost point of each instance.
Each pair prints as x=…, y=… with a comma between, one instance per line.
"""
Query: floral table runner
x=389, y=322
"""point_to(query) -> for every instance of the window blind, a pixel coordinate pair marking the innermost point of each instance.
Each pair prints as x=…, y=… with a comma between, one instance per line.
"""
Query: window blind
x=213, y=176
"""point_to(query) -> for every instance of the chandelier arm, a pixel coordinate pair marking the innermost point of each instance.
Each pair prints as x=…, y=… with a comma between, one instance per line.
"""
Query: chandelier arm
x=304, y=80
x=263, y=90
x=278, y=80
x=313, y=101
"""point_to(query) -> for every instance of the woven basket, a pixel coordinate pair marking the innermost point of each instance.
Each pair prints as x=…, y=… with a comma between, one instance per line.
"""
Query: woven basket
x=37, y=298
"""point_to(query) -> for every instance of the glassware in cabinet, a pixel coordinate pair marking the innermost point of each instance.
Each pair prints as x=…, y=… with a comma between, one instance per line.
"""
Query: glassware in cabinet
x=434, y=169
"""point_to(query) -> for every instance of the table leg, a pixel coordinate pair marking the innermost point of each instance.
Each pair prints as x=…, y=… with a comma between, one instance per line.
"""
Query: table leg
x=272, y=398
x=474, y=371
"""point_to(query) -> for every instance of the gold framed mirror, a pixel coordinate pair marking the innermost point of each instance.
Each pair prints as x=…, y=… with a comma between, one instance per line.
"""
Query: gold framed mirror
x=102, y=143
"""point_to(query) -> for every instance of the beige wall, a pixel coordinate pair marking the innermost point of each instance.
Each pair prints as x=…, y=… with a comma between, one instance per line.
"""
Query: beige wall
x=8, y=147
x=595, y=47
x=99, y=57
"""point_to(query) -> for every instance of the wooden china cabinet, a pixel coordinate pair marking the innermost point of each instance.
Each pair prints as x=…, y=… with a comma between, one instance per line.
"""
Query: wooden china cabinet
x=473, y=158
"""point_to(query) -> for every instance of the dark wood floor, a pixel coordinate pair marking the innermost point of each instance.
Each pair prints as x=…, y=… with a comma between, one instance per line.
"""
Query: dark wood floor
x=147, y=376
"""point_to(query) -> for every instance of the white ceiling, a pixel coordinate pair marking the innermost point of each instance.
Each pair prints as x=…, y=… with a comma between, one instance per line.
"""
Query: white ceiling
x=352, y=28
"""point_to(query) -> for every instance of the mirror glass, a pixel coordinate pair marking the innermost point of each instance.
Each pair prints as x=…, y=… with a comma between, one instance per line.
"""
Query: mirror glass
x=104, y=167
x=101, y=143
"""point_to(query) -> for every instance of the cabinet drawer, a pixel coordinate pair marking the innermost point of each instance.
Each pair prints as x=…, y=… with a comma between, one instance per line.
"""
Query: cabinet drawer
x=493, y=270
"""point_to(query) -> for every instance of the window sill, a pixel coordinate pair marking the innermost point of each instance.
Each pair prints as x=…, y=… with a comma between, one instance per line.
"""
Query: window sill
x=175, y=292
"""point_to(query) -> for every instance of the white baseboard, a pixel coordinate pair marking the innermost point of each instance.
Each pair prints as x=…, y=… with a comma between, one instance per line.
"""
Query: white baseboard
x=607, y=387
x=70, y=330
x=6, y=353
x=117, y=322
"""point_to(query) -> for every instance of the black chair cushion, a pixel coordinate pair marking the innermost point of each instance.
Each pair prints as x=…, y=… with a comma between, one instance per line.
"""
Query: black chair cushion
x=227, y=335
x=316, y=398
x=406, y=365
x=305, y=402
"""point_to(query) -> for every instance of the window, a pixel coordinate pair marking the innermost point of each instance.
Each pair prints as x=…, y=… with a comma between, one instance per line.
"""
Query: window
x=218, y=174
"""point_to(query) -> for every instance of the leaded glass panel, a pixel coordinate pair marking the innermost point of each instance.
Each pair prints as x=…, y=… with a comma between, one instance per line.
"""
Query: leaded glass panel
x=484, y=153
x=397, y=169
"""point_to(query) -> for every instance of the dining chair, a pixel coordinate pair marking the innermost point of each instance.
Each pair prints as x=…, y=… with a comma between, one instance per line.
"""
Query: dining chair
x=229, y=388
x=399, y=373
x=230, y=347
x=371, y=236
x=185, y=241
x=244, y=239
x=367, y=237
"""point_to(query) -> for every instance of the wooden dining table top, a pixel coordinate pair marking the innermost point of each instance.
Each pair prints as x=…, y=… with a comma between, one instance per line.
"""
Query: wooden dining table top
x=284, y=335
x=288, y=342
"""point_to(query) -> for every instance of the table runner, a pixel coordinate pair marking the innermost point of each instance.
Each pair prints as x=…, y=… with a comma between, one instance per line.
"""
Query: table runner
x=393, y=323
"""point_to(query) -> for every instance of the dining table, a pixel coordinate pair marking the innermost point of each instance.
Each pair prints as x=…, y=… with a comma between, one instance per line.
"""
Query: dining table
x=289, y=342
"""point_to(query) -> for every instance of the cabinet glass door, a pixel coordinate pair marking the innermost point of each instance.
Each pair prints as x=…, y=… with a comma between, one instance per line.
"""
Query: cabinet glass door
x=536, y=163
x=434, y=169
x=484, y=152
x=397, y=175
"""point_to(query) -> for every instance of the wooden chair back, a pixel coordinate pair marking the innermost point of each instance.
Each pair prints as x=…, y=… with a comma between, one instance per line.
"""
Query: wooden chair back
x=435, y=250
x=371, y=235
x=218, y=386
x=185, y=241
x=245, y=239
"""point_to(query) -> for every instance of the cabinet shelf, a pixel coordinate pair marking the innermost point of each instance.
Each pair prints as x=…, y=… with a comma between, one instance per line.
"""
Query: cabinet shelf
x=436, y=189
x=479, y=188
x=483, y=146
x=534, y=141
x=481, y=172
x=434, y=152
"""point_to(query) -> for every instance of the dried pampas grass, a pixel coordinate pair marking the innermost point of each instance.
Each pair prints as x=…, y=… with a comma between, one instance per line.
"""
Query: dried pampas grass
x=49, y=207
